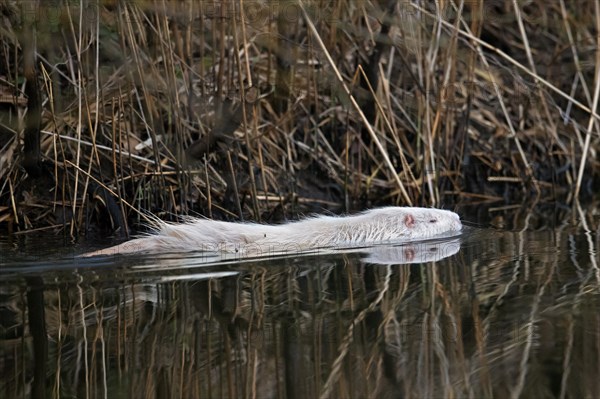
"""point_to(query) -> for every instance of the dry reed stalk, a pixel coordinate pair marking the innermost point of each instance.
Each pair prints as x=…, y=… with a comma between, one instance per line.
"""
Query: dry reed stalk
x=355, y=105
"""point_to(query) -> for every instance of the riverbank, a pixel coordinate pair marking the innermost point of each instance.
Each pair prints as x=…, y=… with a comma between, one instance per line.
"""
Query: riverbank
x=270, y=111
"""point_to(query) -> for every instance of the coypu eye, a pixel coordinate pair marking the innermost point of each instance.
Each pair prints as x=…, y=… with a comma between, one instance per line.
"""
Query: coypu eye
x=432, y=221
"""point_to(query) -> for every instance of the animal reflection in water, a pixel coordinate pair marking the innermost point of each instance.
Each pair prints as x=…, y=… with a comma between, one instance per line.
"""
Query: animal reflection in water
x=418, y=252
x=391, y=225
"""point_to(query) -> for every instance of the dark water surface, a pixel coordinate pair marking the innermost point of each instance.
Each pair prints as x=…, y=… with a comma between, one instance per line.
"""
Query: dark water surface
x=492, y=314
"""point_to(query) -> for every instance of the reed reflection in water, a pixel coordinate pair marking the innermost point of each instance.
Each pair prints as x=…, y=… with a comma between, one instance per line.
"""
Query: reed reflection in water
x=507, y=315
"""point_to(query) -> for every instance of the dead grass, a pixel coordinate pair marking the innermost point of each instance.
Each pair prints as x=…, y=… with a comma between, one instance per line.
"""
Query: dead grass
x=272, y=109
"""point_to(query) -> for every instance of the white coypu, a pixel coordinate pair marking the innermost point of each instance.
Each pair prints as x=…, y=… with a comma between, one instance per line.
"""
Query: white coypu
x=381, y=225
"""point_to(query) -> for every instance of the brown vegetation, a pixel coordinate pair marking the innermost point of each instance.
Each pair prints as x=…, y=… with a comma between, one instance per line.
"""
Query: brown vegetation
x=274, y=108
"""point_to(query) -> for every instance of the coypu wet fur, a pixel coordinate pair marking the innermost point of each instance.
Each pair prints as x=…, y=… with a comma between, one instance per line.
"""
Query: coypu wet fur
x=389, y=224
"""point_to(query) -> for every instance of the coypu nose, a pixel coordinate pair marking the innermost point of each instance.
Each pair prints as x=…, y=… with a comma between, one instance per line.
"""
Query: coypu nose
x=458, y=224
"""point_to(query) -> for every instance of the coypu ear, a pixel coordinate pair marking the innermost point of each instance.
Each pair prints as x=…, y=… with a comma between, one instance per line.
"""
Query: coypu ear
x=409, y=221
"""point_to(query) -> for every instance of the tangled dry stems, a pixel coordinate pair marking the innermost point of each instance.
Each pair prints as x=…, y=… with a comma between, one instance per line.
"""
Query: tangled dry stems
x=272, y=109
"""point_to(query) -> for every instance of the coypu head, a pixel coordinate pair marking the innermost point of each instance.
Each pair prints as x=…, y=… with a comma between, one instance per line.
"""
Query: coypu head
x=417, y=223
